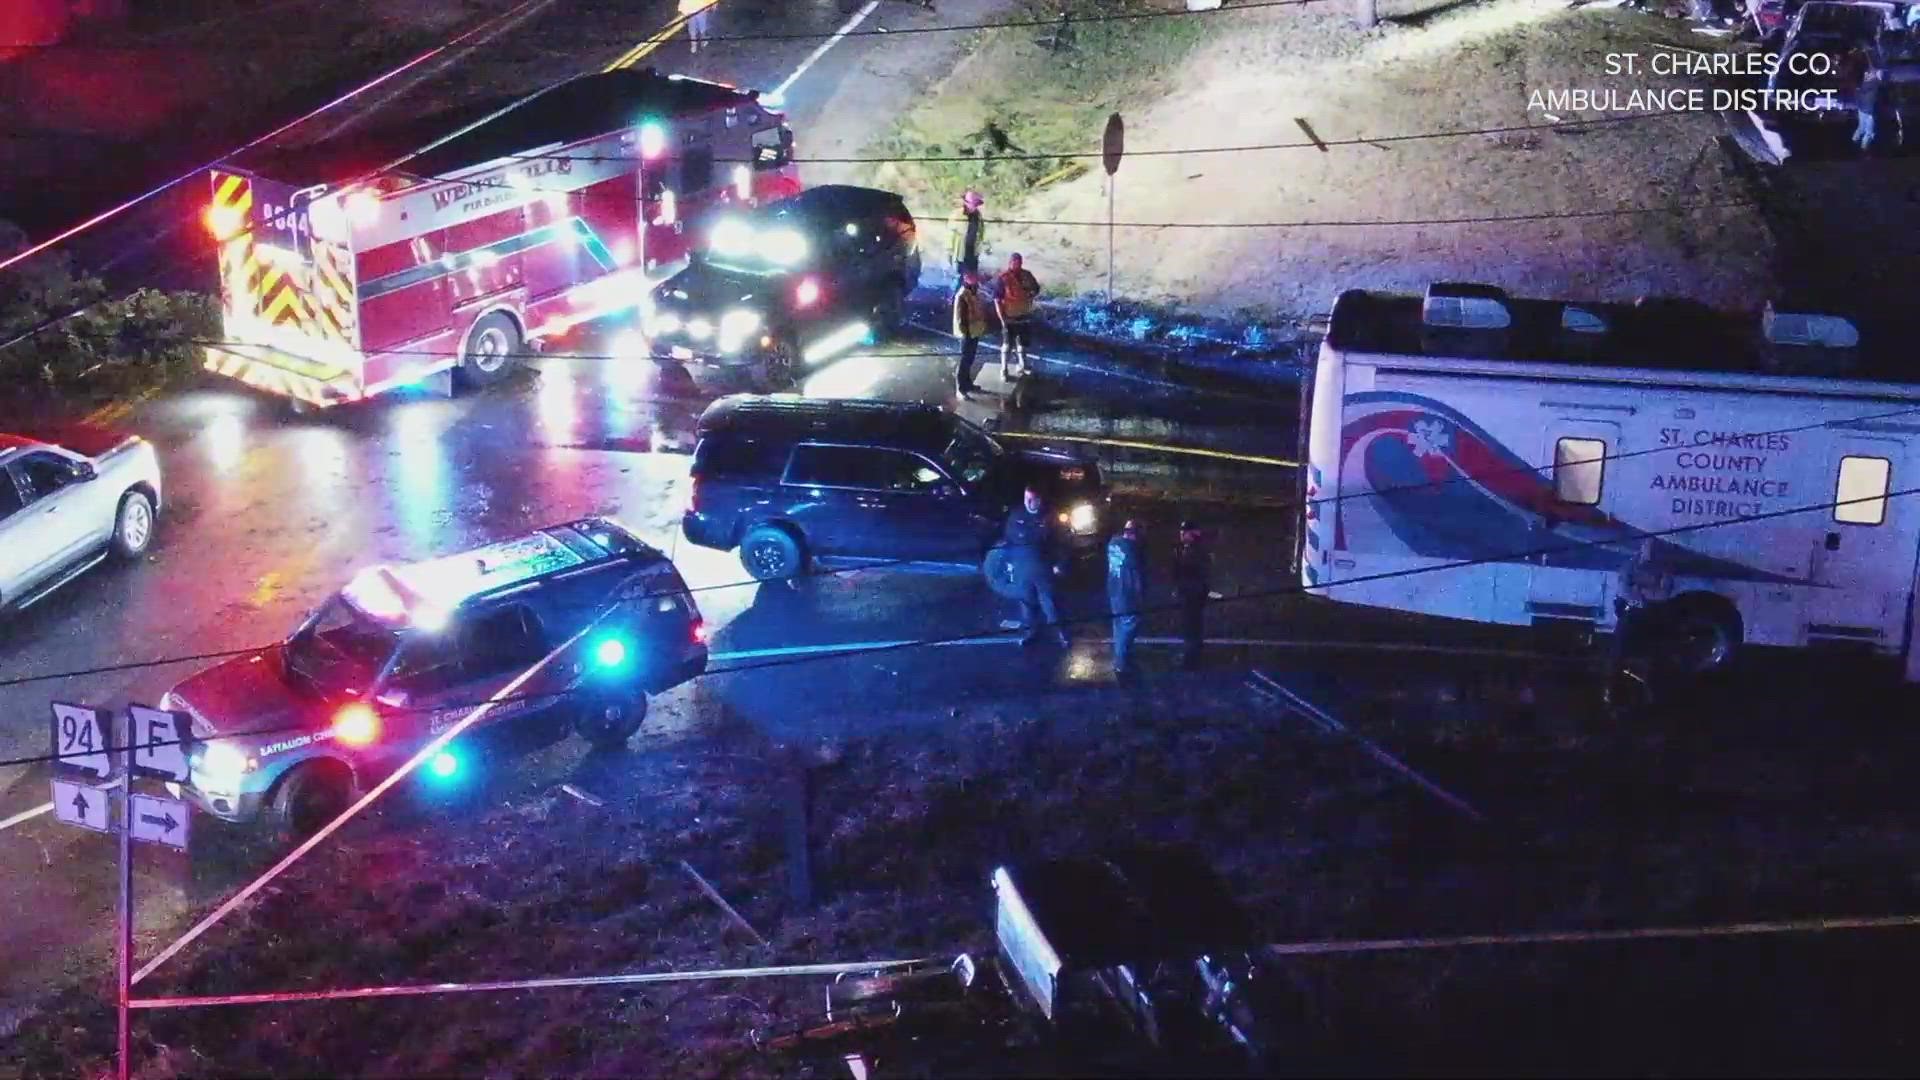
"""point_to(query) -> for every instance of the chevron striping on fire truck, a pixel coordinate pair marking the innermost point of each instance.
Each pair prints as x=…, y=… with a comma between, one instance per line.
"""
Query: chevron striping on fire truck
x=526, y=223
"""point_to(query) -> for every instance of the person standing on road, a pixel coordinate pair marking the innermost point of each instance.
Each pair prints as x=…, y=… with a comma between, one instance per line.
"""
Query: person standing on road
x=1643, y=587
x=970, y=324
x=697, y=13
x=1014, y=293
x=1192, y=578
x=966, y=235
x=1029, y=548
x=1126, y=587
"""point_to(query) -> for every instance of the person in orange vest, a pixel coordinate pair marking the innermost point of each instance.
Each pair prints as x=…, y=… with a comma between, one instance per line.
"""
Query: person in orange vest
x=969, y=325
x=697, y=12
x=1014, y=293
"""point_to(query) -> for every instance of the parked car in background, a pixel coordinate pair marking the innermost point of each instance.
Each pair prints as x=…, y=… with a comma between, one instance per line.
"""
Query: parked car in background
x=67, y=503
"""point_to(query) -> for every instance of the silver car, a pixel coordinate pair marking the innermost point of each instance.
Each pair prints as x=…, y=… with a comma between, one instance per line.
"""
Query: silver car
x=65, y=506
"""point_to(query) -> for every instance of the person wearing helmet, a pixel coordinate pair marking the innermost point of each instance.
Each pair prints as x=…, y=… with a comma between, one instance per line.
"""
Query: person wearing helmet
x=966, y=235
x=1192, y=577
x=1126, y=588
x=969, y=325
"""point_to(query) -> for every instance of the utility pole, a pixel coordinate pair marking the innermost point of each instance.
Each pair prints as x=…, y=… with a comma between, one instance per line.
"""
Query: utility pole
x=1366, y=13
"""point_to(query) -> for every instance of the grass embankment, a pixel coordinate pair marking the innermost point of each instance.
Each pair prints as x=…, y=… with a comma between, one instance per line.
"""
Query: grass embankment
x=1612, y=830
x=1035, y=94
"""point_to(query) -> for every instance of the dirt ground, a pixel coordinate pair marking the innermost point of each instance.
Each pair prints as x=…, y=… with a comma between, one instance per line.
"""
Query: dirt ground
x=1257, y=76
x=1587, y=828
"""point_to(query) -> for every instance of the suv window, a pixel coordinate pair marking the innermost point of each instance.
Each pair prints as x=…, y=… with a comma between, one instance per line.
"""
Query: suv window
x=505, y=641
x=733, y=457
x=9, y=496
x=842, y=466
x=502, y=642
x=42, y=474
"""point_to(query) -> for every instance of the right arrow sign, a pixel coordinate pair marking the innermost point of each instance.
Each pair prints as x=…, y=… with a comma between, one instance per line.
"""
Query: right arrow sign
x=160, y=821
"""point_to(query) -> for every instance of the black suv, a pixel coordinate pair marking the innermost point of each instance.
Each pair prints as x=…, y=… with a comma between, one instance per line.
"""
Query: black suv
x=404, y=652
x=793, y=481
x=789, y=284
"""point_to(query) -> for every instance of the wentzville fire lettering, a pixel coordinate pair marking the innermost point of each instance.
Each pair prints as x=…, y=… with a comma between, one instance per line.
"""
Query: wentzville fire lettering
x=459, y=193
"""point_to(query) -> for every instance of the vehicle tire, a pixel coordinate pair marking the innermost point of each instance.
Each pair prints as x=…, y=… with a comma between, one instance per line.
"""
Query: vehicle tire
x=314, y=793
x=493, y=348
x=133, y=525
x=772, y=553
x=998, y=571
x=605, y=722
x=1705, y=632
x=891, y=313
x=780, y=370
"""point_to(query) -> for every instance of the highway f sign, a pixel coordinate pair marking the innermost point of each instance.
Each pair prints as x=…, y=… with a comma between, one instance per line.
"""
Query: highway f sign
x=78, y=804
x=80, y=741
x=159, y=743
x=158, y=821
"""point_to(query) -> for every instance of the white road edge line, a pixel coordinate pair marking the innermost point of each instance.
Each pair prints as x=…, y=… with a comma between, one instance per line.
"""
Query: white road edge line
x=25, y=816
x=779, y=93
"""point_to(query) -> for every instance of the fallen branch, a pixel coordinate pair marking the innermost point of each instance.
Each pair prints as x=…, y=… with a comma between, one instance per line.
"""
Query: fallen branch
x=714, y=895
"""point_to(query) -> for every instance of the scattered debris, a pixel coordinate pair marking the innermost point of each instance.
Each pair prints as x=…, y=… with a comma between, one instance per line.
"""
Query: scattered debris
x=714, y=895
x=583, y=795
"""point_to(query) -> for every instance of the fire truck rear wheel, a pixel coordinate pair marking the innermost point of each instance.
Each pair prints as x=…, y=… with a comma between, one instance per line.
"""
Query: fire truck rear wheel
x=493, y=348
x=313, y=794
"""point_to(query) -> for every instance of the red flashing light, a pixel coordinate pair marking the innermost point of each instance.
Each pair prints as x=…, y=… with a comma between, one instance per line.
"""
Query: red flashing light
x=356, y=725
x=699, y=632
x=222, y=221
x=808, y=294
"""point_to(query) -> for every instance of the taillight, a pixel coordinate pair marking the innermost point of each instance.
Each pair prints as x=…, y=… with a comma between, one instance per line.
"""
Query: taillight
x=807, y=294
x=693, y=495
x=356, y=725
x=699, y=632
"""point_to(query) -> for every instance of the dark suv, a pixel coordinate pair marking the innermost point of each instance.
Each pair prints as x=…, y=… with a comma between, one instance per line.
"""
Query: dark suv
x=577, y=622
x=789, y=284
x=793, y=481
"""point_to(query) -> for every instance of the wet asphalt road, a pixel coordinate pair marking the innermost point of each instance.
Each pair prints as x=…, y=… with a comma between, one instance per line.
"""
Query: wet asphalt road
x=268, y=513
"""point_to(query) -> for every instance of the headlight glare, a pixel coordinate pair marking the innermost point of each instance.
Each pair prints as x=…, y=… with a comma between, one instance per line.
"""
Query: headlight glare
x=1083, y=518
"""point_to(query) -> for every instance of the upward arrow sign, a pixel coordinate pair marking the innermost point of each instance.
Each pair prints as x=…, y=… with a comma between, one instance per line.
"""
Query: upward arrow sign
x=80, y=803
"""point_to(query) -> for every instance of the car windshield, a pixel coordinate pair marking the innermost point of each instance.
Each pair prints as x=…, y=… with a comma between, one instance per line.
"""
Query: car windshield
x=973, y=453
x=341, y=649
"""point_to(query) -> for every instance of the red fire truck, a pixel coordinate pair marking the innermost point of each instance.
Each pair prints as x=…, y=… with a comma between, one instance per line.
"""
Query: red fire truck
x=512, y=227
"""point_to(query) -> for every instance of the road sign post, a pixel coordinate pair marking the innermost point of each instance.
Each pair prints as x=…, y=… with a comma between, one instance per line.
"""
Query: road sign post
x=88, y=747
x=1113, y=146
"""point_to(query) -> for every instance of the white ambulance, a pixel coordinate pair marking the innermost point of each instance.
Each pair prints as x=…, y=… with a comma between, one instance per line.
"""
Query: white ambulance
x=1481, y=457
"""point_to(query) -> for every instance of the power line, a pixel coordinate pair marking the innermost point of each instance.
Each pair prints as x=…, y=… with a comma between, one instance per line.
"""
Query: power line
x=1291, y=589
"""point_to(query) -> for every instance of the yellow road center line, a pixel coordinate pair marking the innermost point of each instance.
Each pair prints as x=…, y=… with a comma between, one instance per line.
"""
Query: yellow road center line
x=661, y=37
x=1161, y=448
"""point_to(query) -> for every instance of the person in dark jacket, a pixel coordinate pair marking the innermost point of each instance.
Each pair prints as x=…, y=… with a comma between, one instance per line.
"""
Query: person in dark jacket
x=1192, y=577
x=1126, y=588
x=1029, y=551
